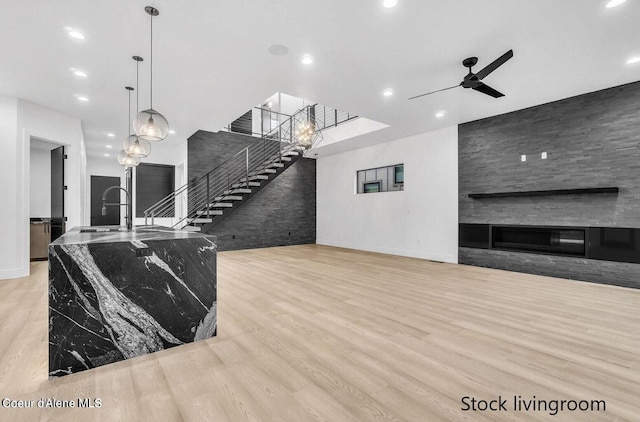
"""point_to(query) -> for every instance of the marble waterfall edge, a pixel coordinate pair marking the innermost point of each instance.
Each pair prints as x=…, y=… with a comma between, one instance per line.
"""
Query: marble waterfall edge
x=114, y=297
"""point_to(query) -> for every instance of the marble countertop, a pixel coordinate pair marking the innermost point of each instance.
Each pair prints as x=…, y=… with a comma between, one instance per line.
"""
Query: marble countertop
x=113, y=234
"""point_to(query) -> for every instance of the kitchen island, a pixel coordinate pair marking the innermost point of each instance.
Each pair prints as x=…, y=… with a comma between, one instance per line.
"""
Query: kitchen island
x=117, y=294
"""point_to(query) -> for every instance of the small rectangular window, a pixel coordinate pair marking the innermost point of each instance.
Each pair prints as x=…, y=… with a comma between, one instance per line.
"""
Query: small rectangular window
x=380, y=179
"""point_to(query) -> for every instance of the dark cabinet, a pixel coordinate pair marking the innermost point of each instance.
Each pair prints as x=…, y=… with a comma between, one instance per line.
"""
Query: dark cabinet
x=40, y=239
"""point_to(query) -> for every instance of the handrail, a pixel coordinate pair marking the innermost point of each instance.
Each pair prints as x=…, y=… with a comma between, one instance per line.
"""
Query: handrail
x=240, y=166
x=272, y=111
x=183, y=187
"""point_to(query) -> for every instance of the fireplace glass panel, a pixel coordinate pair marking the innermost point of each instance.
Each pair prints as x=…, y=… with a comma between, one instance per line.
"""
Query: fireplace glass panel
x=557, y=241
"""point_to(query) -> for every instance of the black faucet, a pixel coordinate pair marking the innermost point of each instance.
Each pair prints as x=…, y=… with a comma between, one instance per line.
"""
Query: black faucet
x=127, y=217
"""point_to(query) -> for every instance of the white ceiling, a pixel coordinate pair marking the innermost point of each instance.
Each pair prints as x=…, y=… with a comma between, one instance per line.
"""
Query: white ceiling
x=211, y=59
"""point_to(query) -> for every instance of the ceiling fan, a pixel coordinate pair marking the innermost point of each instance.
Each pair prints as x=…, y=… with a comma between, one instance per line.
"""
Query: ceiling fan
x=474, y=80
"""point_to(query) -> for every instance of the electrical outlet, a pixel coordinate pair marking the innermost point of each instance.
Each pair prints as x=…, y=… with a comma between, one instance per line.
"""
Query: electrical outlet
x=140, y=252
x=543, y=156
x=523, y=158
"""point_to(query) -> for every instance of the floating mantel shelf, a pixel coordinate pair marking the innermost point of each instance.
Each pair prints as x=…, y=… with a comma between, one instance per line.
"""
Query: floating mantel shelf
x=582, y=191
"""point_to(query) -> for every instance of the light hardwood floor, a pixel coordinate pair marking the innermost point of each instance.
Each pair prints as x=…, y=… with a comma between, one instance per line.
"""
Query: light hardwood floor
x=317, y=333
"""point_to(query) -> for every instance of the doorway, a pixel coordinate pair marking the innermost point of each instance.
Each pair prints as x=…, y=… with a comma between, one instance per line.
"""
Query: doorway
x=98, y=185
x=57, y=193
x=46, y=193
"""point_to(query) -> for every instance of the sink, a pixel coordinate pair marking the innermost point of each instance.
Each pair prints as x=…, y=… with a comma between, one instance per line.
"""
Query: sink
x=102, y=230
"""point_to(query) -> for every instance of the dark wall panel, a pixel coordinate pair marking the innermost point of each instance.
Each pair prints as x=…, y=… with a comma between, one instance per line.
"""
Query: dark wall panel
x=282, y=213
x=592, y=140
x=207, y=150
x=603, y=272
x=153, y=183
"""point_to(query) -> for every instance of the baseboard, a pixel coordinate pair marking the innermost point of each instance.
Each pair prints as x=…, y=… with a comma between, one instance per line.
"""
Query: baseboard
x=429, y=255
x=14, y=273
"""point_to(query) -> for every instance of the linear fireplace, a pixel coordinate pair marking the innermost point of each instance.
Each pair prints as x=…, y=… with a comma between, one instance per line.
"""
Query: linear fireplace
x=552, y=240
x=618, y=244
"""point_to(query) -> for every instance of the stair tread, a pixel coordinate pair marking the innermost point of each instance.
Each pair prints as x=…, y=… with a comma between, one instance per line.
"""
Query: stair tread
x=220, y=205
x=211, y=212
x=237, y=190
x=238, y=185
x=255, y=177
x=200, y=220
x=228, y=198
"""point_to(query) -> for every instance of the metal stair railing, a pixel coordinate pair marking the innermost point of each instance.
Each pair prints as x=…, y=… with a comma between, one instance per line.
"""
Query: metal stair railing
x=328, y=117
x=318, y=116
x=220, y=182
x=247, y=124
x=324, y=117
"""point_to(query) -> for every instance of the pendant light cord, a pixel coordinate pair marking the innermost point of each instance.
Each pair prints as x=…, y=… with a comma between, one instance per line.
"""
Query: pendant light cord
x=128, y=115
x=151, y=62
x=137, y=90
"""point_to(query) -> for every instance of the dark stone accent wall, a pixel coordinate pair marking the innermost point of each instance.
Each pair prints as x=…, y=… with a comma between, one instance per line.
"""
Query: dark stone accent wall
x=603, y=272
x=207, y=150
x=592, y=140
x=281, y=213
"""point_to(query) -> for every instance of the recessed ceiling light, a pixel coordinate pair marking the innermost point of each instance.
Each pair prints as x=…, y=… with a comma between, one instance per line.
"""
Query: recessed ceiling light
x=440, y=114
x=74, y=33
x=82, y=98
x=387, y=92
x=389, y=3
x=107, y=155
x=614, y=3
x=110, y=135
x=307, y=59
x=79, y=73
x=108, y=146
x=278, y=49
x=633, y=60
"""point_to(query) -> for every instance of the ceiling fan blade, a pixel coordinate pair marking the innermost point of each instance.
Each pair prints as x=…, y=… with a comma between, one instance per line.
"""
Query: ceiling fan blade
x=486, y=89
x=433, y=92
x=495, y=64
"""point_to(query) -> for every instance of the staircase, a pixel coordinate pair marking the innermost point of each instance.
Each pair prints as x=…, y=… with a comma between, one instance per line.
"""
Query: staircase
x=215, y=195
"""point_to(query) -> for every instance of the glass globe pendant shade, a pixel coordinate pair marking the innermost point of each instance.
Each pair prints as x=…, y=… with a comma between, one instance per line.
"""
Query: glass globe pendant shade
x=134, y=146
x=126, y=160
x=151, y=125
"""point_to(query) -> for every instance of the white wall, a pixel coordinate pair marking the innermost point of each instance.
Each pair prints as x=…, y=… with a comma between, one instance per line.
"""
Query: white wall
x=40, y=184
x=290, y=104
x=20, y=121
x=355, y=127
x=421, y=221
x=12, y=208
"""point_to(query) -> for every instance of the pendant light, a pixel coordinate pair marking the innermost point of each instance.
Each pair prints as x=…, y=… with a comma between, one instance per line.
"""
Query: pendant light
x=134, y=145
x=149, y=124
x=127, y=161
x=124, y=158
x=305, y=133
